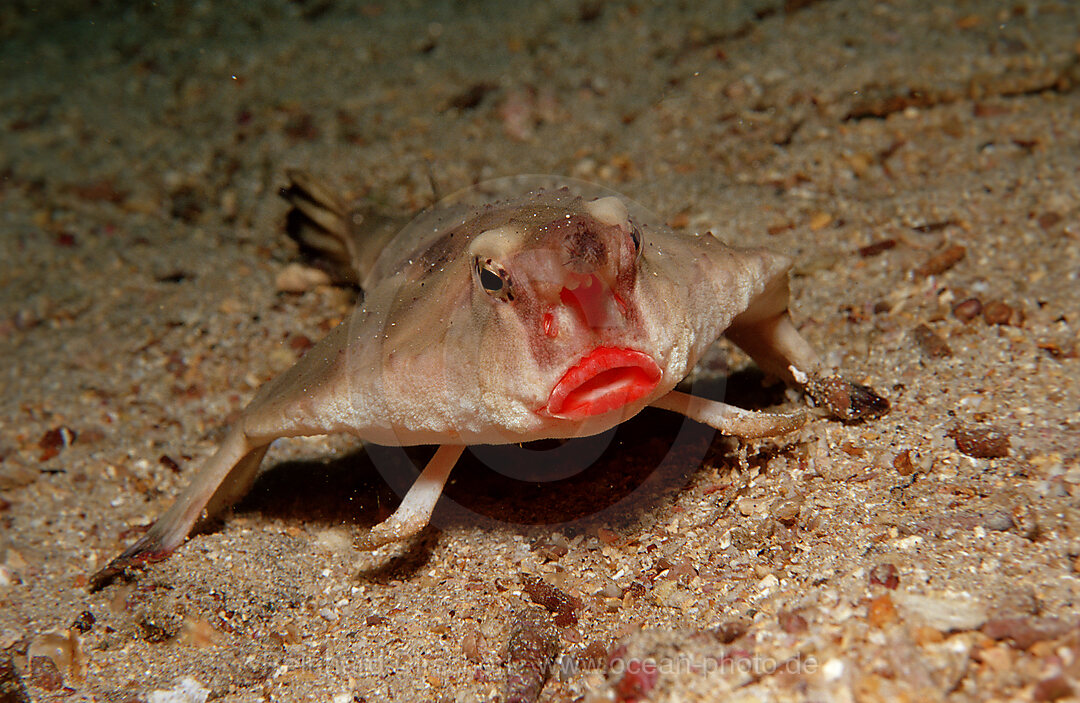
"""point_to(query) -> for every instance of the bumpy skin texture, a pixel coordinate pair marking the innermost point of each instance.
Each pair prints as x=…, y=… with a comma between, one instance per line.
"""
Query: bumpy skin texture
x=548, y=315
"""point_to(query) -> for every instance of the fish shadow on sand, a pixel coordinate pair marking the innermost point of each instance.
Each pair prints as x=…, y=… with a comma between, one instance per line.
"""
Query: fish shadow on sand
x=614, y=480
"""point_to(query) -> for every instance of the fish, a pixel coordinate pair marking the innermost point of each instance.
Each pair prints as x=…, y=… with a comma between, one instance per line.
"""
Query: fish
x=557, y=312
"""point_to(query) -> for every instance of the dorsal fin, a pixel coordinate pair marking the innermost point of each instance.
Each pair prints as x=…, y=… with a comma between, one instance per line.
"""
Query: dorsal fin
x=343, y=239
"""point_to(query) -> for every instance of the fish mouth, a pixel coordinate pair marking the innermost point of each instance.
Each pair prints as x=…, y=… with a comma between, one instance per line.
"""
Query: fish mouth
x=604, y=379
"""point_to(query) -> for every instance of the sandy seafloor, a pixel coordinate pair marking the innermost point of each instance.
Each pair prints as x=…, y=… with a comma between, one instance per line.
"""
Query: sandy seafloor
x=141, y=237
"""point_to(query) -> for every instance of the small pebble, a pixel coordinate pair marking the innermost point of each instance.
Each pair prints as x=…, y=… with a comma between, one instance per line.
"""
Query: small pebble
x=820, y=220
x=470, y=647
x=634, y=591
x=300, y=343
x=997, y=521
x=903, y=464
x=169, y=463
x=850, y=402
x=550, y=551
x=981, y=442
x=84, y=622
x=946, y=613
x=728, y=632
x=999, y=658
x=967, y=310
x=877, y=248
x=786, y=511
x=924, y=635
x=880, y=611
x=297, y=278
x=942, y=261
x=471, y=96
x=563, y=605
x=1047, y=220
x=998, y=313
x=1052, y=689
x=885, y=574
x=58, y=438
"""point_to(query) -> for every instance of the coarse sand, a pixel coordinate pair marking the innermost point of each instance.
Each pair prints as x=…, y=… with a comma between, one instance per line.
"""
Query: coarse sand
x=920, y=161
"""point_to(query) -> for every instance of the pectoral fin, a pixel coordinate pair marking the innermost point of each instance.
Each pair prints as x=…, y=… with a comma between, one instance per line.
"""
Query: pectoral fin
x=224, y=477
x=308, y=399
x=730, y=420
x=778, y=348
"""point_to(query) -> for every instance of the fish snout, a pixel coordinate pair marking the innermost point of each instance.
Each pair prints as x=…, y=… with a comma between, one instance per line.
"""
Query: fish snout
x=593, y=301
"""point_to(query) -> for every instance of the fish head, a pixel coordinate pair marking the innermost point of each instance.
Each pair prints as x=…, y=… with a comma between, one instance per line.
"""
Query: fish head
x=553, y=290
x=530, y=323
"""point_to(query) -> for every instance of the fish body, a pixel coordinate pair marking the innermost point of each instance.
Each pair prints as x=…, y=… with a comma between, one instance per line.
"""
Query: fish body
x=551, y=314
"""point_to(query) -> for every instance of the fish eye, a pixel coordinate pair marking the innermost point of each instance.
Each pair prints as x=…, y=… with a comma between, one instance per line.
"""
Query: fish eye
x=493, y=279
x=635, y=237
x=490, y=280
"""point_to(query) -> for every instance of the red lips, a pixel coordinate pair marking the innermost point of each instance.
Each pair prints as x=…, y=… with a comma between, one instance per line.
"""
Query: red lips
x=604, y=379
